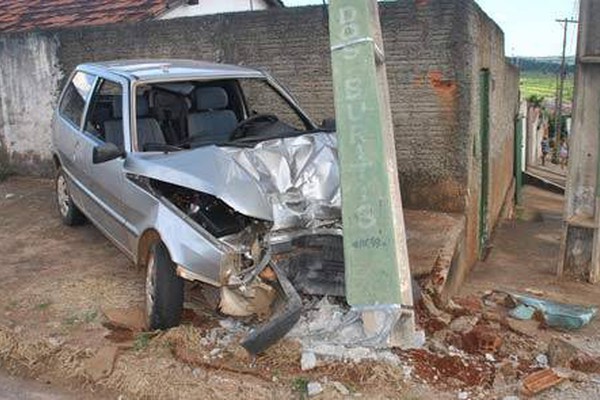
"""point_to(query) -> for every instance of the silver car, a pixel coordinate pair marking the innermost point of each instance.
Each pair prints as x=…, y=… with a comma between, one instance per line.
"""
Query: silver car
x=203, y=172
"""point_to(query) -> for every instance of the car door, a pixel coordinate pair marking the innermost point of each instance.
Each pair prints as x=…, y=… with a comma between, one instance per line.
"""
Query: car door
x=106, y=120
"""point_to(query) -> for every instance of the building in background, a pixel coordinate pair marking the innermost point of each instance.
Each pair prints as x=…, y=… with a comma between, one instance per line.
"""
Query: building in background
x=28, y=15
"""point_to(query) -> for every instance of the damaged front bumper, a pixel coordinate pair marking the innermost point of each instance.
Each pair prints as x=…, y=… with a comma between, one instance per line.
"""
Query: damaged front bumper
x=308, y=262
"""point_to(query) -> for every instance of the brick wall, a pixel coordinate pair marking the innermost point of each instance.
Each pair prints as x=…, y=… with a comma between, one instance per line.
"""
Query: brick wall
x=432, y=50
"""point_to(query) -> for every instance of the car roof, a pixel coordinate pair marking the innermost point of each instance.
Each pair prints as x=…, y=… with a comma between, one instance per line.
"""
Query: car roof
x=170, y=69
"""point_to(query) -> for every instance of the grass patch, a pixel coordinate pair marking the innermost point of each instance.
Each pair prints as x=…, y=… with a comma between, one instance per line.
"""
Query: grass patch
x=141, y=341
x=71, y=320
x=300, y=385
x=90, y=316
x=43, y=306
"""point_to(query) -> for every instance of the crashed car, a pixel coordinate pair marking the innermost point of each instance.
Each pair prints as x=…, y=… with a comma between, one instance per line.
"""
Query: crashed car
x=203, y=172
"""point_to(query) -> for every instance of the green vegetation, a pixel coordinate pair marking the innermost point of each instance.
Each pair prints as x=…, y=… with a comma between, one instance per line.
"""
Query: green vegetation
x=141, y=341
x=539, y=77
x=43, y=306
x=300, y=385
x=542, y=84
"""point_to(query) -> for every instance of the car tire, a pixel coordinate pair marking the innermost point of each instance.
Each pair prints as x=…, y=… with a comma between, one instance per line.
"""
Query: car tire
x=68, y=211
x=164, y=290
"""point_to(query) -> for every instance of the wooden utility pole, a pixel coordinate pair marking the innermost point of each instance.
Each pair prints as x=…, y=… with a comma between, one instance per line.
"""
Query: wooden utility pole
x=378, y=279
x=561, y=87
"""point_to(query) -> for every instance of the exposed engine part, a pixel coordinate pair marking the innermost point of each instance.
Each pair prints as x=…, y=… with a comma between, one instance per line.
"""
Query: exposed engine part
x=208, y=211
x=315, y=266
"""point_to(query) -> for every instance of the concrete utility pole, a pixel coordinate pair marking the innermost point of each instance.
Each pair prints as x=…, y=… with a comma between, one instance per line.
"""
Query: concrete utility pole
x=561, y=88
x=378, y=279
x=580, y=250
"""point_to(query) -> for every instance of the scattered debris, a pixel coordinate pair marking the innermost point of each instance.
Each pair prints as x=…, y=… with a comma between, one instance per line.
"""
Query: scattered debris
x=555, y=315
x=330, y=330
x=131, y=318
x=9, y=196
x=343, y=390
x=575, y=376
x=561, y=353
x=482, y=339
x=314, y=388
x=308, y=360
x=541, y=361
x=101, y=364
x=455, y=370
x=535, y=292
x=464, y=324
x=539, y=381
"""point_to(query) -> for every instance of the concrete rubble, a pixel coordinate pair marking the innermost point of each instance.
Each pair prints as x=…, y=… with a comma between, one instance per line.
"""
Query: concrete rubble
x=470, y=347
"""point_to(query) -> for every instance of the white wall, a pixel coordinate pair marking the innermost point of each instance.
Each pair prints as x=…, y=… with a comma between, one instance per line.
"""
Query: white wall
x=29, y=79
x=205, y=7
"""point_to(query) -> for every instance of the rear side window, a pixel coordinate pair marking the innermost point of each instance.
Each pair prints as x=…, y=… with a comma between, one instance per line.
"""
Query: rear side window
x=77, y=92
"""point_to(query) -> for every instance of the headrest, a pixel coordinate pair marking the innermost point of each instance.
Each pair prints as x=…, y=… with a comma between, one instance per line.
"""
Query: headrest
x=210, y=98
x=141, y=104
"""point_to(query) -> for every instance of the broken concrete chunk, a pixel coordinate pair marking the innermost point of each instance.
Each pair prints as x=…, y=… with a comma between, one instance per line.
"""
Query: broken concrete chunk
x=101, y=365
x=308, y=360
x=541, y=360
x=314, y=388
x=464, y=324
x=561, y=353
x=343, y=390
x=434, y=311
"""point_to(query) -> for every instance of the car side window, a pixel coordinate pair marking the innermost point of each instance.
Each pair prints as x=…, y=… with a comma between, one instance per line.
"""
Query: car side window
x=105, y=115
x=73, y=102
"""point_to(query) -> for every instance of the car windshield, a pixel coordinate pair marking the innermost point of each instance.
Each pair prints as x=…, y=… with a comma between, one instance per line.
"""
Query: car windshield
x=172, y=116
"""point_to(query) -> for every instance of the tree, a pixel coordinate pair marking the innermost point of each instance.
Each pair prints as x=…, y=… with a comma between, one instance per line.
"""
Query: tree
x=535, y=100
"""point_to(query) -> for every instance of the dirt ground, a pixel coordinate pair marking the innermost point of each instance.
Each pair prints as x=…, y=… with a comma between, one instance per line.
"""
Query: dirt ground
x=57, y=283
x=524, y=259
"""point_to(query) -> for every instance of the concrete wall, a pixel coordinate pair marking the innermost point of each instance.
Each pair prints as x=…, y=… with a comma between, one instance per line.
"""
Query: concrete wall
x=29, y=84
x=487, y=53
x=434, y=52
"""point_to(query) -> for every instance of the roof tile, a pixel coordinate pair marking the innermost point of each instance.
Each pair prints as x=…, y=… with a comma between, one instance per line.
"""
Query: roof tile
x=24, y=15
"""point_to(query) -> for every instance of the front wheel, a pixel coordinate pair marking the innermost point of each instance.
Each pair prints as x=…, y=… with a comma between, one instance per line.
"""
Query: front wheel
x=69, y=213
x=164, y=290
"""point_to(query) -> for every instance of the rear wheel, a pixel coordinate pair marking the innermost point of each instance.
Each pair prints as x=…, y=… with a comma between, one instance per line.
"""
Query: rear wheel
x=69, y=213
x=164, y=290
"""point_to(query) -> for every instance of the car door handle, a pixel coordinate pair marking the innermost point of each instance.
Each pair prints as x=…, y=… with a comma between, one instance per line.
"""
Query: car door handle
x=76, y=147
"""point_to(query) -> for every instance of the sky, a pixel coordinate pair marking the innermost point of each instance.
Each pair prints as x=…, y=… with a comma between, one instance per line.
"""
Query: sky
x=529, y=26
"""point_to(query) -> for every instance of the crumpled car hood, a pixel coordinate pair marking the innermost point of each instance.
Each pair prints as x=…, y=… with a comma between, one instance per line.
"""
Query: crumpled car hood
x=281, y=180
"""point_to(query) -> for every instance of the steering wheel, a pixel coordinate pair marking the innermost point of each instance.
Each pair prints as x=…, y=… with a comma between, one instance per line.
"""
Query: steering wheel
x=241, y=128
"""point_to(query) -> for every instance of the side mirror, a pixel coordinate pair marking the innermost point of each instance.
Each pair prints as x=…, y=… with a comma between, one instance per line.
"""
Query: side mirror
x=328, y=125
x=106, y=152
